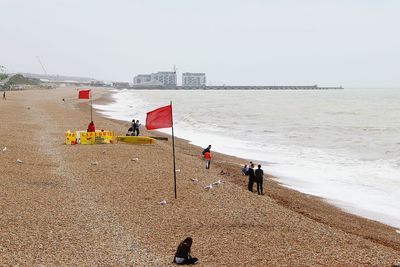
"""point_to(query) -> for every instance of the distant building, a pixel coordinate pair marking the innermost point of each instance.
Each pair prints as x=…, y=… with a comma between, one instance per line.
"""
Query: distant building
x=142, y=79
x=163, y=78
x=166, y=78
x=97, y=83
x=120, y=85
x=193, y=79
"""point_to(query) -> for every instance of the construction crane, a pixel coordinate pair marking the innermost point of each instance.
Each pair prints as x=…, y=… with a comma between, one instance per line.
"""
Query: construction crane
x=40, y=62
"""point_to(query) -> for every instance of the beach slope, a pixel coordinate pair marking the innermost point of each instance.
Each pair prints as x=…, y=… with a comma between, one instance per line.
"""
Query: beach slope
x=94, y=205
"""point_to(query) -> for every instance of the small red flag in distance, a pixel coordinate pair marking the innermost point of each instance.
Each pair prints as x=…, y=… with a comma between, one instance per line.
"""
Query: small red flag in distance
x=84, y=94
x=159, y=118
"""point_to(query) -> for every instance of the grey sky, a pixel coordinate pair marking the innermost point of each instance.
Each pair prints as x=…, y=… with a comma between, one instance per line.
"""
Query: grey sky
x=351, y=42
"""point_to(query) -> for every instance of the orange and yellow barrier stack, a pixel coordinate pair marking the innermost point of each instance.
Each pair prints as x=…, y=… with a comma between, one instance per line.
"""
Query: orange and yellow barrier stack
x=89, y=138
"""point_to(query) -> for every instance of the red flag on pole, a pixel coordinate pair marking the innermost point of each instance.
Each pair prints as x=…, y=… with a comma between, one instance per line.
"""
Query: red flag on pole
x=159, y=118
x=84, y=94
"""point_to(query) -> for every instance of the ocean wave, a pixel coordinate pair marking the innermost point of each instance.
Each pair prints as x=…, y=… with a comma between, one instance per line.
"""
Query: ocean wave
x=319, y=152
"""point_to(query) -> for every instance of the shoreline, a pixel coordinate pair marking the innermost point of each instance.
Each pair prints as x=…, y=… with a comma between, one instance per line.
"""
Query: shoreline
x=274, y=183
x=108, y=213
x=346, y=207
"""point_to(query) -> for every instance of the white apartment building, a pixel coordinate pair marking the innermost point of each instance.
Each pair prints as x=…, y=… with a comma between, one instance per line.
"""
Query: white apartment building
x=193, y=79
x=142, y=79
x=164, y=78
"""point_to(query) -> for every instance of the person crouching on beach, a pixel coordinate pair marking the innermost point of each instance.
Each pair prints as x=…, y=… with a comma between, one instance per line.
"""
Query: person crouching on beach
x=91, y=127
x=130, y=132
x=182, y=255
x=250, y=173
x=259, y=175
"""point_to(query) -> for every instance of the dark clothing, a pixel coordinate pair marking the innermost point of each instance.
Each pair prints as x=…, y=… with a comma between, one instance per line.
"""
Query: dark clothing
x=4, y=95
x=208, y=163
x=134, y=126
x=183, y=252
x=260, y=187
x=259, y=173
x=187, y=261
x=130, y=132
x=250, y=173
x=206, y=150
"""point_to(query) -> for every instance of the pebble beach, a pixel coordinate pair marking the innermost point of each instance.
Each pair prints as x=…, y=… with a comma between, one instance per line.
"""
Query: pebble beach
x=99, y=205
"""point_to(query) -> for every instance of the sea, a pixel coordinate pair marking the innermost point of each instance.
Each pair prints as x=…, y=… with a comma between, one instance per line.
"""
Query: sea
x=340, y=145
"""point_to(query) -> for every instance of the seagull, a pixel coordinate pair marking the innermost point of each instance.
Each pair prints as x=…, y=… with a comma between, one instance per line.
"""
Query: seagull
x=163, y=202
x=208, y=187
x=178, y=170
x=194, y=180
x=5, y=149
x=135, y=159
x=217, y=182
x=19, y=161
x=94, y=163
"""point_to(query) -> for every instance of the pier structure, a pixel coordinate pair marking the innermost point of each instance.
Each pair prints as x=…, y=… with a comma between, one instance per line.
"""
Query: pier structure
x=238, y=87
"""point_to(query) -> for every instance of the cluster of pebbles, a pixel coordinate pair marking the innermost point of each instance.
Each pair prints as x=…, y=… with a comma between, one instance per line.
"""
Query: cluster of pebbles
x=114, y=205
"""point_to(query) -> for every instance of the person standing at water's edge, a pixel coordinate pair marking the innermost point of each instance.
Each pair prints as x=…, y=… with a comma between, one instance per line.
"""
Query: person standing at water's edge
x=207, y=156
x=4, y=95
x=207, y=149
x=259, y=176
x=250, y=173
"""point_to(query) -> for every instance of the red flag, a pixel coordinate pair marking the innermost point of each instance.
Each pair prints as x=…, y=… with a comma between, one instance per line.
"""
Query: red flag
x=84, y=94
x=159, y=118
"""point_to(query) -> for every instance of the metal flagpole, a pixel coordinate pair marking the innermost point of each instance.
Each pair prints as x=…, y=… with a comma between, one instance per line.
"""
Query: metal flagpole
x=91, y=106
x=173, y=150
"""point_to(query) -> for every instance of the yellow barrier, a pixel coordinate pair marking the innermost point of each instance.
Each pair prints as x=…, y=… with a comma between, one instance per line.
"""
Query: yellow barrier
x=89, y=138
x=70, y=138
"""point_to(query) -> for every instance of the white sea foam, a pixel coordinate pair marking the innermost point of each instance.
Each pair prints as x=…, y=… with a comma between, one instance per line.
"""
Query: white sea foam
x=340, y=145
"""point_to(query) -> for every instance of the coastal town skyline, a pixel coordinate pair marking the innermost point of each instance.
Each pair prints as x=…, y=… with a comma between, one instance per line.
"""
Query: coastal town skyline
x=329, y=43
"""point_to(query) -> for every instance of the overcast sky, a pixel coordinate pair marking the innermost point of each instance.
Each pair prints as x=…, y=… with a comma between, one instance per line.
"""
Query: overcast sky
x=343, y=42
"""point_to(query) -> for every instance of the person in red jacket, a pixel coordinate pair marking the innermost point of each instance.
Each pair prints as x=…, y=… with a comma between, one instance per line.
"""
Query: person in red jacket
x=91, y=127
x=207, y=158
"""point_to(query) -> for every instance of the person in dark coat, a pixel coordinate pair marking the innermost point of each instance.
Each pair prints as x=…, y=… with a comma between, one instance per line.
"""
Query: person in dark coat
x=259, y=175
x=137, y=127
x=250, y=173
x=133, y=127
x=182, y=255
